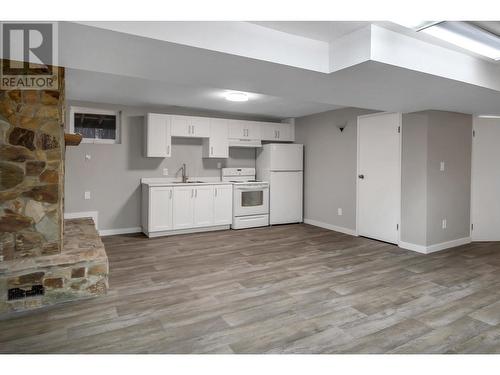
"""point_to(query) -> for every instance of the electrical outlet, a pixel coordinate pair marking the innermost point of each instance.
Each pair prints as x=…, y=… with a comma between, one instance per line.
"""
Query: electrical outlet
x=441, y=166
x=443, y=224
x=339, y=211
x=165, y=171
x=88, y=157
x=219, y=165
x=87, y=195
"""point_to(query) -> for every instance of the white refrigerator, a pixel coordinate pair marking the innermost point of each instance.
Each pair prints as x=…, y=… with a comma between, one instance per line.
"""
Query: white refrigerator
x=281, y=164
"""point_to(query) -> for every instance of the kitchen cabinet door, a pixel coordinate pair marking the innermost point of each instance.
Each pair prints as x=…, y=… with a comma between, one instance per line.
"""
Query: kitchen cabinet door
x=223, y=204
x=272, y=131
x=160, y=208
x=236, y=129
x=252, y=129
x=157, y=136
x=190, y=126
x=200, y=127
x=285, y=132
x=183, y=197
x=181, y=126
x=203, y=206
x=217, y=145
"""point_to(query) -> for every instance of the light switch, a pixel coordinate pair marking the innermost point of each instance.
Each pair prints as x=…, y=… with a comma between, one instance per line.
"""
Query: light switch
x=165, y=171
x=443, y=224
x=441, y=166
x=87, y=195
x=88, y=157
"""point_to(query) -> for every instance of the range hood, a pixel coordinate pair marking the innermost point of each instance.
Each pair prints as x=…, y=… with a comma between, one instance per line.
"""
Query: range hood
x=236, y=142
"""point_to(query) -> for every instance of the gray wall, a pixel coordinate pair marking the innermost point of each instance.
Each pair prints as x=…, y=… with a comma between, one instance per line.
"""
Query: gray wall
x=414, y=178
x=113, y=174
x=448, y=192
x=430, y=195
x=330, y=165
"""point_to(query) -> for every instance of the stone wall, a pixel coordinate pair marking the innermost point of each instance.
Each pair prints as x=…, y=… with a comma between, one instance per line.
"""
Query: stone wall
x=31, y=172
x=79, y=271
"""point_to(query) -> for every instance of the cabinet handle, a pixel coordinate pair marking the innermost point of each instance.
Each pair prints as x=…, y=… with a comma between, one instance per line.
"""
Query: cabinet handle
x=278, y=132
x=196, y=193
x=170, y=196
x=168, y=149
x=192, y=193
x=211, y=150
x=192, y=129
x=215, y=191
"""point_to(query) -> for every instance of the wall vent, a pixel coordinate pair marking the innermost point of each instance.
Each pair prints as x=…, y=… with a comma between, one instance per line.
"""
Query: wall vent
x=18, y=293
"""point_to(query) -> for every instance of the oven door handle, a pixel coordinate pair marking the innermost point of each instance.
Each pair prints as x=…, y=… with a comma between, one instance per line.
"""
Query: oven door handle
x=252, y=189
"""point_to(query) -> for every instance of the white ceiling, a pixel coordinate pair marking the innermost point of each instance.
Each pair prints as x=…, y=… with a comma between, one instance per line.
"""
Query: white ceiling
x=325, y=31
x=114, y=89
x=122, y=68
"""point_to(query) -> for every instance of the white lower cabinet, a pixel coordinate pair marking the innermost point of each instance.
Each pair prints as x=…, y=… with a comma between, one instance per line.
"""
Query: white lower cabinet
x=203, y=206
x=223, y=204
x=160, y=208
x=177, y=209
x=183, y=207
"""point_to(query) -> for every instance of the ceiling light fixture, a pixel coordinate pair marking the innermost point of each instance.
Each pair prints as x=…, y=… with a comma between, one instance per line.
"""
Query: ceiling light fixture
x=234, y=96
x=467, y=36
x=488, y=116
x=416, y=24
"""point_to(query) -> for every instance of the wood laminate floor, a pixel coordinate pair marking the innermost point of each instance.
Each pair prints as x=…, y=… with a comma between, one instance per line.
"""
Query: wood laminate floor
x=284, y=289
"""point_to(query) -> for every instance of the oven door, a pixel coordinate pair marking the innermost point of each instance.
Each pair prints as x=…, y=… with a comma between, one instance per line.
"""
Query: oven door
x=251, y=200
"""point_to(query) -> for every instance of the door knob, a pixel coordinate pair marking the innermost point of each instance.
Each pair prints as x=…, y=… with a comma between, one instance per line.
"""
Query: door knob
x=361, y=176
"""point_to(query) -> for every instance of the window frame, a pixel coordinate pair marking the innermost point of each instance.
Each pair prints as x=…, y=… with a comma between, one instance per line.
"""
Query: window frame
x=98, y=111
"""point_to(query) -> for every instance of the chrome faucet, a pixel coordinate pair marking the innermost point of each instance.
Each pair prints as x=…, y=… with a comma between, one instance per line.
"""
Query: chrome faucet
x=184, y=175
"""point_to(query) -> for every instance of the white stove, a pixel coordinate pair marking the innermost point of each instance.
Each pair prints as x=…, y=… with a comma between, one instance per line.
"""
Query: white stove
x=250, y=198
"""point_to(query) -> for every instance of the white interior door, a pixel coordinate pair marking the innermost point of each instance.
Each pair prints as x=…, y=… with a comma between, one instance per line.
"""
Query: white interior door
x=379, y=176
x=485, y=200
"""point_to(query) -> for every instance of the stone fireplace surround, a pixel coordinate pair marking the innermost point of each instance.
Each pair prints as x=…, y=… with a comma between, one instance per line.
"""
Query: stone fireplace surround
x=42, y=261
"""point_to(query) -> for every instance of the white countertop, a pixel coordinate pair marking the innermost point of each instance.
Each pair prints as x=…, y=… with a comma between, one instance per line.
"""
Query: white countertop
x=177, y=182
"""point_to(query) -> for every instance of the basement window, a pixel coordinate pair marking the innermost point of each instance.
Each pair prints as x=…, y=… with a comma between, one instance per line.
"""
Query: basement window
x=96, y=125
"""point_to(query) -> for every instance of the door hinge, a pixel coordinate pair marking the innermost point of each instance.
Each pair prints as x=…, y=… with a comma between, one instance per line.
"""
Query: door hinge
x=473, y=133
x=472, y=227
x=397, y=226
x=399, y=129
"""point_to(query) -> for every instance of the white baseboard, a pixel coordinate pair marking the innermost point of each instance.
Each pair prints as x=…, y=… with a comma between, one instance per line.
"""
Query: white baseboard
x=413, y=247
x=335, y=228
x=436, y=247
x=78, y=215
x=112, y=232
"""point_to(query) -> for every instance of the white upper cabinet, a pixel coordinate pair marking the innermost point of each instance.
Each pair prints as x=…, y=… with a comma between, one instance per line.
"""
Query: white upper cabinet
x=240, y=129
x=158, y=136
x=272, y=131
x=217, y=145
x=190, y=126
x=217, y=133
